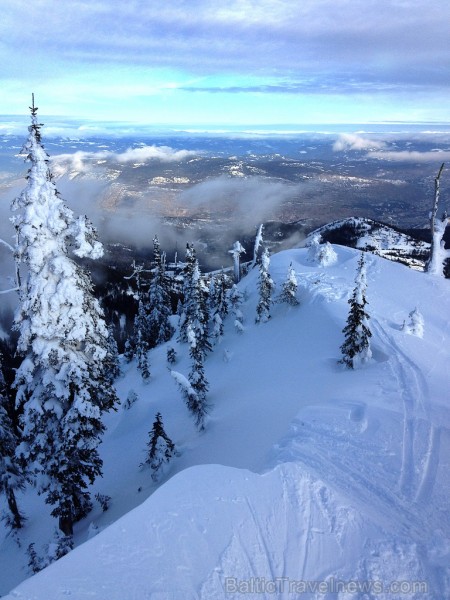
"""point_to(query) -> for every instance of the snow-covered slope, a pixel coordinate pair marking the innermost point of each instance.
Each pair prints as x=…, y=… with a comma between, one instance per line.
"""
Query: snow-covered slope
x=309, y=477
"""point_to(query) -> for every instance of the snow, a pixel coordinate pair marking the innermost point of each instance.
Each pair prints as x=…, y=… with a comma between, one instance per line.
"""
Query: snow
x=183, y=382
x=321, y=254
x=307, y=473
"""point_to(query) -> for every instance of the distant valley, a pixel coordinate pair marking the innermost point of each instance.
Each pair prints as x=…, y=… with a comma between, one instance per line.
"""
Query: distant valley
x=214, y=188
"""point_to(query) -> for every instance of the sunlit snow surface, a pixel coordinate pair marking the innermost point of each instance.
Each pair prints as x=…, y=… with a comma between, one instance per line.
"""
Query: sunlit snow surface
x=308, y=474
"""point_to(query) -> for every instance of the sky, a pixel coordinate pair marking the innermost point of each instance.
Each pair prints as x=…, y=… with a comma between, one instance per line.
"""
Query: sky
x=227, y=63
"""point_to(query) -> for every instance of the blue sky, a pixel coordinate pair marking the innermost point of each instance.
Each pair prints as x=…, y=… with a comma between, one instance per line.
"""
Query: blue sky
x=227, y=63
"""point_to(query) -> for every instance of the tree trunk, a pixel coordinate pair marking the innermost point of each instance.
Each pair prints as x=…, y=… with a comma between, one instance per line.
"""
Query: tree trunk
x=18, y=519
x=66, y=525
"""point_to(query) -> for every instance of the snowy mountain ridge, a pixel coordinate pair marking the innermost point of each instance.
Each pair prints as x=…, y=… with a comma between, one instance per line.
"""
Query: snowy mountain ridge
x=377, y=237
x=310, y=480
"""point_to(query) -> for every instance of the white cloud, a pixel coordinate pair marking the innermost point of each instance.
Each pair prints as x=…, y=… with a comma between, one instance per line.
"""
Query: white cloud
x=82, y=161
x=162, y=153
x=247, y=200
x=351, y=141
x=413, y=156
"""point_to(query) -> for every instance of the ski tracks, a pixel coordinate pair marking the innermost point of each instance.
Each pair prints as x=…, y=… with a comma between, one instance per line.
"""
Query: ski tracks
x=342, y=463
x=420, y=460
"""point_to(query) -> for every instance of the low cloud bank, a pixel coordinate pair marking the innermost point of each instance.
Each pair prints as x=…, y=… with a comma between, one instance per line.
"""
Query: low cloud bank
x=351, y=141
x=437, y=156
x=246, y=201
x=83, y=161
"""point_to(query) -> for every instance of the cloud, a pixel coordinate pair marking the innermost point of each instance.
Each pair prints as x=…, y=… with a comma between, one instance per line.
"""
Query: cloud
x=437, y=156
x=245, y=201
x=239, y=203
x=83, y=161
x=161, y=153
x=317, y=85
x=206, y=36
x=383, y=43
x=352, y=141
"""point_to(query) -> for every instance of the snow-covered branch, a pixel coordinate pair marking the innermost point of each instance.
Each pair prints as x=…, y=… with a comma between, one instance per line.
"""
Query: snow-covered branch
x=7, y=245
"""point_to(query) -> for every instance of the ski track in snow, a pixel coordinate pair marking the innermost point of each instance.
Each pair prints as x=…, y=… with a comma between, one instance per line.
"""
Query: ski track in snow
x=323, y=452
x=419, y=465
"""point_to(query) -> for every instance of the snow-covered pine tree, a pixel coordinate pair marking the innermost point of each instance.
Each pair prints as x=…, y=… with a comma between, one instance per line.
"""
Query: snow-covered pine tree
x=327, y=255
x=314, y=247
x=104, y=500
x=11, y=475
x=265, y=288
x=235, y=300
x=199, y=405
x=137, y=346
x=438, y=253
x=112, y=367
x=257, y=254
x=187, y=307
x=141, y=347
x=159, y=301
x=321, y=254
x=218, y=300
x=131, y=398
x=189, y=394
x=415, y=325
x=195, y=313
x=171, y=356
x=160, y=448
x=236, y=252
x=290, y=286
x=62, y=384
x=356, y=347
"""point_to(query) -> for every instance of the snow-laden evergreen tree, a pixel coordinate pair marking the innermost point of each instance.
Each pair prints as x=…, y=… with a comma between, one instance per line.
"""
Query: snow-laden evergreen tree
x=356, y=347
x=321, y=254
x=104, y=500
x=258, y=246
x=62, y=384
x=186, y=388
x=131, y=398
x=235, y=300
x=188, y=305
x=160, y=448
x=140, y=334
x=159, y=301
x=290, y=286
x=197, y=379
x=195, y=314
x=141, y=347
x=112, y=367
x=438, y=253
x=265, y=288
x=59, y=547
x=137, y=346
x=219, y=303
x=128, y=351
x=35, y=562
x=11, y=475
x=171, y=356
x=415, y=326
x=236, y=252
